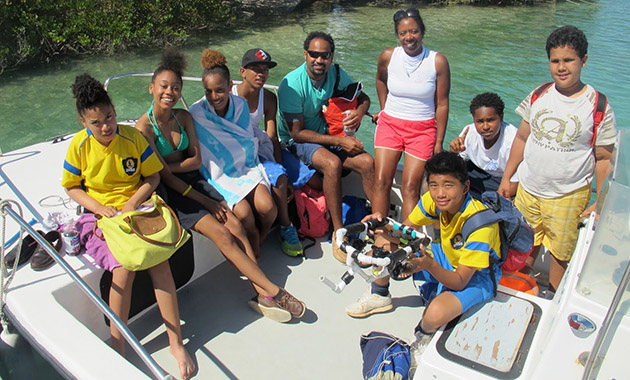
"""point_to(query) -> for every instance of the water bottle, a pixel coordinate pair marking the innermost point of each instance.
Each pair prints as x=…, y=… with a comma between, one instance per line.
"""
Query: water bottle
x=350, y=132
x=70, y=236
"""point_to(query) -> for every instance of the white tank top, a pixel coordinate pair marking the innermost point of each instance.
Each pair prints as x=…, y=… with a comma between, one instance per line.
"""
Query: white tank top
x=411, y=83
x=265, y=145
x=256, y=116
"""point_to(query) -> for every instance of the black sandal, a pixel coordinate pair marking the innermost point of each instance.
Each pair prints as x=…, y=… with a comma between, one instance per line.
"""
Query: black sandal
x=29, y=245
x=41, y=259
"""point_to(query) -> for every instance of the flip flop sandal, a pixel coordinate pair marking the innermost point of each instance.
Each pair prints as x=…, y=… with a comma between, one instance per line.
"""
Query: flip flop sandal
x=41, y=259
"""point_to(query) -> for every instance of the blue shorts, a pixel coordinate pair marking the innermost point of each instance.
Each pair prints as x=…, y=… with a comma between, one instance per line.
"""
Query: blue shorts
x=273, y=170
x=479, y=289
x=296, y=171
x=305, y=151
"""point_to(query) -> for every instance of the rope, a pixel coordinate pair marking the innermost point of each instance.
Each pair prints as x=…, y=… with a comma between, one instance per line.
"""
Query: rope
x=56, y=200
x=6, y=278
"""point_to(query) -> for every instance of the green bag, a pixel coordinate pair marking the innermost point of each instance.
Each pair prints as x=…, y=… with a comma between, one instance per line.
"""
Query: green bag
x=142, y=239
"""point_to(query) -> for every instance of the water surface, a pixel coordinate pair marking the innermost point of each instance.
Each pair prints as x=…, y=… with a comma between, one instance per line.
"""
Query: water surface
x=498, y=49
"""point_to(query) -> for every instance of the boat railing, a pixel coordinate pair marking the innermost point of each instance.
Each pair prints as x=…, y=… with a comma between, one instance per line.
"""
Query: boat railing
x=6, y=209
x=107, y=82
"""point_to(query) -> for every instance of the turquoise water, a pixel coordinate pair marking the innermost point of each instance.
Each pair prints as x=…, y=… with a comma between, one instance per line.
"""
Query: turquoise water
x=488, y=48
x=498, y=49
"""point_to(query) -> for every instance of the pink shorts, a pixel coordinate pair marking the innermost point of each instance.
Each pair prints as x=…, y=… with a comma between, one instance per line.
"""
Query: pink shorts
x=416, y=138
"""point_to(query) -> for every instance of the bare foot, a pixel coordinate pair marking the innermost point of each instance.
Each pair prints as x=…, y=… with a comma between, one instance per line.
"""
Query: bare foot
x=184, y=361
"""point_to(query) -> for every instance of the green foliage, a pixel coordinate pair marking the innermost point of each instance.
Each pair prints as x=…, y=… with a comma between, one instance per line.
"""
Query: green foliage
x=39, y=29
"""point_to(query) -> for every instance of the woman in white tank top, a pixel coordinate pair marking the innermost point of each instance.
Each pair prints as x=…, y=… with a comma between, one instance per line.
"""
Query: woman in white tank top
x=413, y=84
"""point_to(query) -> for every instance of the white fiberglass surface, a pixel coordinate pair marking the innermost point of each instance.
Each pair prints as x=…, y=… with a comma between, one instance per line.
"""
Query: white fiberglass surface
x=609, y=252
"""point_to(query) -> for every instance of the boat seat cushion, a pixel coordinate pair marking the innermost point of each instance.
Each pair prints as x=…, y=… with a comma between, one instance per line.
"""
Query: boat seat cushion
x=142, y=294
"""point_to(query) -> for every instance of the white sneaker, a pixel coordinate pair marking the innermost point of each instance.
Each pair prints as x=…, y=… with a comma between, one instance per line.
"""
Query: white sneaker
x=369, y=304
x=418, y=346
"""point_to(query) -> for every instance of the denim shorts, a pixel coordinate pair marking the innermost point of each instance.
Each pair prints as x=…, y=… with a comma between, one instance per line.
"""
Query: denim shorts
x=305, y=151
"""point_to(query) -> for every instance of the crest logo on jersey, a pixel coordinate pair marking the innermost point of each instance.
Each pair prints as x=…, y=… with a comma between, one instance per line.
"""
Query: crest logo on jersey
x=130, y=165
x=457, y=241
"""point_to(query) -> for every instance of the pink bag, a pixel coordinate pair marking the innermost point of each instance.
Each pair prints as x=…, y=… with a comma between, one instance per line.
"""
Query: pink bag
x=312, y=211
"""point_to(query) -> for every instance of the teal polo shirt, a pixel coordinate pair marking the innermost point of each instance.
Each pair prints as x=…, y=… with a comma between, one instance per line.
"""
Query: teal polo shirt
x=297, y=94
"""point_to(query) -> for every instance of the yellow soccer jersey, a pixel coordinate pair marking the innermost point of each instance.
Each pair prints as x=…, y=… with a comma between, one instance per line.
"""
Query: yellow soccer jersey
x=480, y=243
x=110, y=174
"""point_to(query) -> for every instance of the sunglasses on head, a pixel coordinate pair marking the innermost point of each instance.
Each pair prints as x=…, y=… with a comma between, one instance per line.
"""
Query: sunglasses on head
x=411, y=12
x=319, y=54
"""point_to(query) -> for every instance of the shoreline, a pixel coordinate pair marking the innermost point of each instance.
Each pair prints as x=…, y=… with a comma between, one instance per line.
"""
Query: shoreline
x=46, y=41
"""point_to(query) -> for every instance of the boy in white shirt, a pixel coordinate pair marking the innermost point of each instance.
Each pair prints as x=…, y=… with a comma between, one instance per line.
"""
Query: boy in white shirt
x=560, y=151
x=486, y=145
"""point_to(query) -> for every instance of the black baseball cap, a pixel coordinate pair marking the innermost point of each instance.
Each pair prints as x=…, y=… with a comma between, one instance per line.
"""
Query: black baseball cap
x=257, y=56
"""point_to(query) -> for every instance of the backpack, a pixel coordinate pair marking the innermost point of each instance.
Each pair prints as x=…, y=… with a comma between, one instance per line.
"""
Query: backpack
x=342, y=100
x=312, y=212
x=385, y=357
x=598, y=110
x=517, y=236
x=353, y=209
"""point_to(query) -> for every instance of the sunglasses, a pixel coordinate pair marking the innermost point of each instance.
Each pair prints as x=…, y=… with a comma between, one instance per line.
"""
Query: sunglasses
x=411, y=12
x=319, y=54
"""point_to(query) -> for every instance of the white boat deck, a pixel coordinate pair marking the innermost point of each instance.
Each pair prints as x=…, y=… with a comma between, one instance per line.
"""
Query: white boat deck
x=229, y=341
x=225, y=337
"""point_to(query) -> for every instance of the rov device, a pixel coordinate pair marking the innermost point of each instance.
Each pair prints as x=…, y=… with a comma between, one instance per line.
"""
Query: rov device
x=353, y=240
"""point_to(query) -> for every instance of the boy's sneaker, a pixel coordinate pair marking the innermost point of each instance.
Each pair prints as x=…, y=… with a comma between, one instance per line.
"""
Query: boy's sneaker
x=369, y=304
x=279, y=308
x=291, y=244
x=418, y=347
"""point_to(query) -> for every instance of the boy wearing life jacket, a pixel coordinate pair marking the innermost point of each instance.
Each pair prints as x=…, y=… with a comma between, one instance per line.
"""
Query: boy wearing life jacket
x=456, y=272
x=567, y=134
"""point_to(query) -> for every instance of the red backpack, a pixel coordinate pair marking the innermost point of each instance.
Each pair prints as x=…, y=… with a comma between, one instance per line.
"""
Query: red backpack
x=312, y=211
x=341, y=101
x=598, y=110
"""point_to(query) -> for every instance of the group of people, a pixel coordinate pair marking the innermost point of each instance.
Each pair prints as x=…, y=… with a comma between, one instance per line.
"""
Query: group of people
x=229, y=180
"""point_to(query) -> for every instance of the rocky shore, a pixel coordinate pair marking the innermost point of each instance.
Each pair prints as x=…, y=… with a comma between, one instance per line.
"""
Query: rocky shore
x=257, y=7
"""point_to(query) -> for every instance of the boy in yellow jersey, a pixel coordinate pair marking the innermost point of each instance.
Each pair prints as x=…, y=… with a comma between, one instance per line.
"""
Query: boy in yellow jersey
x=456, y=272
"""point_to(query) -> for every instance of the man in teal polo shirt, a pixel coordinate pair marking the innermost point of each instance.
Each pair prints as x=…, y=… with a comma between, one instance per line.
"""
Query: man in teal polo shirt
x=301, y=95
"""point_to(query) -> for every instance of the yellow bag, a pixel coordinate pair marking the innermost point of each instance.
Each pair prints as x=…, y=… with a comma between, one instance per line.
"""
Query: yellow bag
x=143, y=239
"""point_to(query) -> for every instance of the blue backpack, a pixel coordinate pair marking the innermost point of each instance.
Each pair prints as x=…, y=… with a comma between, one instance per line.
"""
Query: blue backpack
x=385, y=357
x=517, y=236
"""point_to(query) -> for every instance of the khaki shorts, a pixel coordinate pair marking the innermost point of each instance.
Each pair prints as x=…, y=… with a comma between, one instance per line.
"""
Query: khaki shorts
x=555, y=221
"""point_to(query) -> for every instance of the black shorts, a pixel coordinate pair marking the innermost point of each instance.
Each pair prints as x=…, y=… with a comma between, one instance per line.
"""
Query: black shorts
x=188, y=210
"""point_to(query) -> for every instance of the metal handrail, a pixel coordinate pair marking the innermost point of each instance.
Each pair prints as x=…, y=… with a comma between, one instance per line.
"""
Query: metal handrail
x=157, y=371
x=272, y=87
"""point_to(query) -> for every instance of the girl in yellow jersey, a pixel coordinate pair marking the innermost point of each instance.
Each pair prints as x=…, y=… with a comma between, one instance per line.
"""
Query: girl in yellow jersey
x=111, y=168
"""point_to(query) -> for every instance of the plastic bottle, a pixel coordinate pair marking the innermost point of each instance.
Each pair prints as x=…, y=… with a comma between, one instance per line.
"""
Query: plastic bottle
x=350, y=132
x=70, y=235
